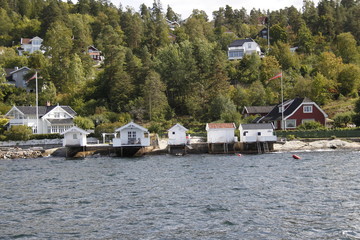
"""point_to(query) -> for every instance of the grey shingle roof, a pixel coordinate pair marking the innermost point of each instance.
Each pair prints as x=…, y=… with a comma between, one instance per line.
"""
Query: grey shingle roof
x=275, y=114
x=240, y=42
x=258, y=109
x=31, y=110
x=252, y=126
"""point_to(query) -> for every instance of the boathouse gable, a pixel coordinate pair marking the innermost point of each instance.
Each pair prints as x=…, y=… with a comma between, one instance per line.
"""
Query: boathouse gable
x=177, y=135
x=131, y=134
x=257, y=132
x=220, y=132
x=75, y=136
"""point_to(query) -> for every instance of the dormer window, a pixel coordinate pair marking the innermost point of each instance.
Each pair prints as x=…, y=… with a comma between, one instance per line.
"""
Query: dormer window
x=308, y=109
x=249, y=45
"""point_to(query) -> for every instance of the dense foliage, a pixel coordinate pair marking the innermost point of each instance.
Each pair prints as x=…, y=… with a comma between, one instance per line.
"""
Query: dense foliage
x=154, y=73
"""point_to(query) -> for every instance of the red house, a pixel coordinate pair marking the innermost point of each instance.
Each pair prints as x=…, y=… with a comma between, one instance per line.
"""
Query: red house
x=296, y=112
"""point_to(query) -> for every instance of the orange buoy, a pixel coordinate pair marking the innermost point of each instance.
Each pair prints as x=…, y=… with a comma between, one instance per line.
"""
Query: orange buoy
x=296, y=156
x=239, y=154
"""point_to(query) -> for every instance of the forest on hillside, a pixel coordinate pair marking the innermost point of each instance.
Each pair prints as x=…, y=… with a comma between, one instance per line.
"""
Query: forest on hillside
x=158, y=75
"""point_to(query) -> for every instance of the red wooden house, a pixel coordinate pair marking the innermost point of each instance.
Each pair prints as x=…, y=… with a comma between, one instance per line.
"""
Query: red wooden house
x=296, y=112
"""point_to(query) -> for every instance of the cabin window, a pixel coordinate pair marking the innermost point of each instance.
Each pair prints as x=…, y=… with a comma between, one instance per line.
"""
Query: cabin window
x=75, y=136
x=146, y=135
x=173, y=133
x=245, y=133
x=290, y=123
x=308, y=109
x=133, y=134
x=129, y=134
x=280, y=109
x=259, y=133
x=249, y=45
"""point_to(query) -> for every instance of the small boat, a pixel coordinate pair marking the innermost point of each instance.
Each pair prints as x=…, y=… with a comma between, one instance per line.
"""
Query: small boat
x=296, y=156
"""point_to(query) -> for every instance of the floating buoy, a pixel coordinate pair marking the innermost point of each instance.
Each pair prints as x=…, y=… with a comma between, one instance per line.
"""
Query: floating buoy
x=239, y=154
x=296, y=156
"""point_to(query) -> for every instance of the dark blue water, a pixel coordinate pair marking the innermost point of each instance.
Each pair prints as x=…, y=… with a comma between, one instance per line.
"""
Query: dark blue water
x=269, y=196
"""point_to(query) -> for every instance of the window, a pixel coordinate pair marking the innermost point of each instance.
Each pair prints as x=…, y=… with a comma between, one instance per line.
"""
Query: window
x=57, y=115
x=133, y=134
x=236, y=54
x=290, y=123
x=280, y=109
x=173, y=133
x=259, y=133
x=249, y=45
x=129, y=134
x=75, y=136
x=308, y=109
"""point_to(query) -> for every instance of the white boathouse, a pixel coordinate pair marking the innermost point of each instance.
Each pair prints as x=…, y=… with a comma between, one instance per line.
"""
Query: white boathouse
x=177, y=135
x=257, y=136
x=131, y=134
x=75, y=137
x=221, y=132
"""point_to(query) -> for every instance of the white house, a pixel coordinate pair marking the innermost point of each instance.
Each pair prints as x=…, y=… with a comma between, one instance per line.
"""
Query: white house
x=30, y=45
x=257, y=132
x=131, y=134
x=51, y=119
x=75, y=137
x=221, y=132
x=177, y=135
x=238, y=48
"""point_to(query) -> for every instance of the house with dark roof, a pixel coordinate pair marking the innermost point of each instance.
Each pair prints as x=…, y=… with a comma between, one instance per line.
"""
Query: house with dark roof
x=293, y=113
x=16, y=77
x=240, y=47
x=44, y=119
x=220, y=132
x=256, y=110
x=29, y=45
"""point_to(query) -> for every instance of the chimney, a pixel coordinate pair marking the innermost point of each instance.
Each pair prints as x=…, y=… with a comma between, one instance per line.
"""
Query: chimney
x=16, y=68
x=48, y=104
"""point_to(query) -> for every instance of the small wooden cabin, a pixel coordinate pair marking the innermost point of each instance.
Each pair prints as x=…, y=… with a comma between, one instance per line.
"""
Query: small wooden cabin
x=131, y=134
x=177, y=135
x=75, y=136
x=221, y=132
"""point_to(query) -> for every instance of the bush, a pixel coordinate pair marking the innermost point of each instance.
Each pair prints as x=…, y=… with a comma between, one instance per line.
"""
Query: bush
x=290, y=137
x=46, y=136
x=312, y=125
x=18, y=133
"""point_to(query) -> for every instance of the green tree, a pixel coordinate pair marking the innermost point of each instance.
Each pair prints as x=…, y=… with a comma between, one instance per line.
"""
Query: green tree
x=278, y=33
x=346, y=48
x=221, y=105
x=84, y=122
x=154, y=96
x=18, y=133
x=349, y=79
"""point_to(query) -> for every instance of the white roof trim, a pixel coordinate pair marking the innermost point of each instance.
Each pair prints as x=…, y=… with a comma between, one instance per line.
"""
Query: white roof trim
x=75, y=129
x=310, y=103
x=131, y=123
x=180, y=126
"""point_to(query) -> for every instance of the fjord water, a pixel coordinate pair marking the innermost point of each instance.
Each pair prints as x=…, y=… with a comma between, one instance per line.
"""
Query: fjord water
x=270, y=196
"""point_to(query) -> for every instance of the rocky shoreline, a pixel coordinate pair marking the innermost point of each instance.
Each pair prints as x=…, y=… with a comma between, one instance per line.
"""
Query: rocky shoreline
x=16, y=152
x=287, y=146
x=297, y=145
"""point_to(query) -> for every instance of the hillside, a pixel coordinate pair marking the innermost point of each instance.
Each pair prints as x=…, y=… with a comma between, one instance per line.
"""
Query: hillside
x=158, y=68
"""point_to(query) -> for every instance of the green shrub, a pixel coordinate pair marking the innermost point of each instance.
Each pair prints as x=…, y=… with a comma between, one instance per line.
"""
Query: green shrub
x=311, y=125
x=18, y=133
x=46, y=136
x=290, y=137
